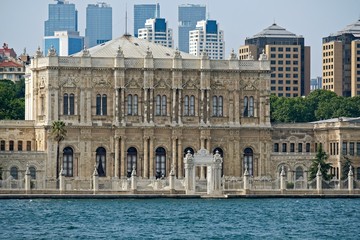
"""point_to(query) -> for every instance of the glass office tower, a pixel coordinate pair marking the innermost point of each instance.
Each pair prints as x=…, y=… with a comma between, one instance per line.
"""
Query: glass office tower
x=188, y=16
x=62, y=17
x=98, y=24
x=142, y=12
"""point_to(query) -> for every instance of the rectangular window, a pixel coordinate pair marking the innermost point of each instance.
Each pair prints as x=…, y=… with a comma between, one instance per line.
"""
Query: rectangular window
x=300, y=147
x=288, y=49
x=292, y=147
x=351, y=148
x=295, y=55
x=2, y=145
x=273, y=49
x=280, y=49
x=281, y=62
x=358, y=148
x=11, y=145
x=276, y=147
x=20, y=145
x=307, y=147
x=284, y=146
x=28, y=146
x=344, y=148
x=280, y=88
x=273, y=62
x=280, y=55
x=288, y=55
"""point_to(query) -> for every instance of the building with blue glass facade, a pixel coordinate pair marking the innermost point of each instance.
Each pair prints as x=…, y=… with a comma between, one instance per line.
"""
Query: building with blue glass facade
x=64, y=42
x=156, y=30
x=98, y=24
x=188, y=16
x=62, y=17
x=142, y=12
x=207, y=37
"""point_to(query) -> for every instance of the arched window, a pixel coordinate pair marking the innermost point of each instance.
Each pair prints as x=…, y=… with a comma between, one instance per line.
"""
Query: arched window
x=248, y=160
x=163, y=105
x=214, y=106
x=101, y=161
x=131, y=160
x=66, y=104
x=246, y=107
x=188, y=149
x=98, y=104
x=158, y=105
x=251, y=107
x=32, y=172
x=11, y=145
x=186, y=105
x=20, y=145
x=14, y=172
x=2, y=145
x=276, y=147
x=358, y=173
x=135, y=105
x=72, y=104
x=129, y=101
x=299, y=173
x=307, y=146
x=104, y=105
x=192, y=105
x=160, y=162
x=68, y=161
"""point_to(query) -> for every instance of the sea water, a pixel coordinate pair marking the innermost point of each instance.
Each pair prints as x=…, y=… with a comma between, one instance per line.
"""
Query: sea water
x=180, y=219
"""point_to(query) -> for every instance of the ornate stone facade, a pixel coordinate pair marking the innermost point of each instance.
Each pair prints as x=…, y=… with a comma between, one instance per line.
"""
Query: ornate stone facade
x=132, y=104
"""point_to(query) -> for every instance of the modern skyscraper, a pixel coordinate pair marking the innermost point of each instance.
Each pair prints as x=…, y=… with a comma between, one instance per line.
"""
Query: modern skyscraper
x=157, y=31
x=207, y=37
x=62, y=17
x=98, y=24
x=142, y=12
x=341, y=61
x=289, y=59
x=188, y=16
x=315, y=83
x=65, y=42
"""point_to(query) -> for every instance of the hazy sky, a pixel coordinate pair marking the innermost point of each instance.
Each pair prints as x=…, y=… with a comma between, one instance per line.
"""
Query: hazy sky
x=23, y=20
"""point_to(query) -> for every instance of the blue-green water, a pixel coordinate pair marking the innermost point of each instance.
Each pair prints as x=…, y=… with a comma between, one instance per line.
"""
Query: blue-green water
x=181, y=219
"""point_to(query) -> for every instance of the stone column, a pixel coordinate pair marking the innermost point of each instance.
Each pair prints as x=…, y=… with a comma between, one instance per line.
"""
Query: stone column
x=173, y=151
x=27, y=180
x=208, y=107
x=151, y=101
x=116, y=172
x=202, y=168
x=61, y=180
x=189, y=174
x=146, y=157
x=122, y=94
x=319, y=180
x=172, y=179
x=151, y=170
x=145, y=105
x=122, y=158
x=95, y=178
x=133, y=180
x=116, y=106
x=351, y=180
x=180, y=108
x=202, y=106
x=282, y=179
x=180, y=162
x=174, y=107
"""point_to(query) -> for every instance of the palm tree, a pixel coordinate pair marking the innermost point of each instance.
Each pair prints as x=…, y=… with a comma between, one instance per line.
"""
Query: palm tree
x=320, y=159
x=58, y=132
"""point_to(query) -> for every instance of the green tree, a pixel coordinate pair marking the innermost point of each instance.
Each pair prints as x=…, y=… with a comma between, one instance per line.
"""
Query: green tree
x=58, y=132
x=320, y=159
x=12, y=101
x=345, y=167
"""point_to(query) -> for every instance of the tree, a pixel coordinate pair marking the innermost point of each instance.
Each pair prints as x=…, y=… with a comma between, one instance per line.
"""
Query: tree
x=12, y=101
x=320, y=159
x=346, y=168
x=58, y=132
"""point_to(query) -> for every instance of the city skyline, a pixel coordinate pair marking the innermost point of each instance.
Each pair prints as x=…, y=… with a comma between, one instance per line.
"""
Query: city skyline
x=312, y=20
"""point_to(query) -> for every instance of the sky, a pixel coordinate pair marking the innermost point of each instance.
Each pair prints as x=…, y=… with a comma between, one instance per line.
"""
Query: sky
x=23, y=20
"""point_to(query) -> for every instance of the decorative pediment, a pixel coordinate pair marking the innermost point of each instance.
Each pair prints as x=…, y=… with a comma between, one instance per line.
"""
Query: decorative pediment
x=191, y=84
x=69, y=82
x=133, y=83
x=102, y=80
x=162, y=83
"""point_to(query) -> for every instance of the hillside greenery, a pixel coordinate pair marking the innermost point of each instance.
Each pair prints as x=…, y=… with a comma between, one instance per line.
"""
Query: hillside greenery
x=12, y=100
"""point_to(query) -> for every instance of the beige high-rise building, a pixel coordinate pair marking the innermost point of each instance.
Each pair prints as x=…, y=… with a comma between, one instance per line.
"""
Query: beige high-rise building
x=289, y=59
x=341, y=61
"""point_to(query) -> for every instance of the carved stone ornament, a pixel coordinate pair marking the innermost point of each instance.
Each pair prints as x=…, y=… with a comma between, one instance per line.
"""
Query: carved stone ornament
x=233, y=55
x=69, y=82
x=85, y=52
x=39, y=53
x=148, y=53
x=119, y=53
x=52, y=52
x=177, y=53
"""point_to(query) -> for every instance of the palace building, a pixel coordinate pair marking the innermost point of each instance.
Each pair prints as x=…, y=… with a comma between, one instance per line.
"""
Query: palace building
x=129, y=104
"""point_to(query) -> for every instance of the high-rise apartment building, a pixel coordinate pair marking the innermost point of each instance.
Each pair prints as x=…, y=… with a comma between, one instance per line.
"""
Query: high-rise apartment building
x=62, y=17
x=156, y=30
x=188, y=16
x=142, y=12
x=289, y=59
x=315, y=84
x=209, y=38
x=341, y=61
x=65, y=42
x=98, y=24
